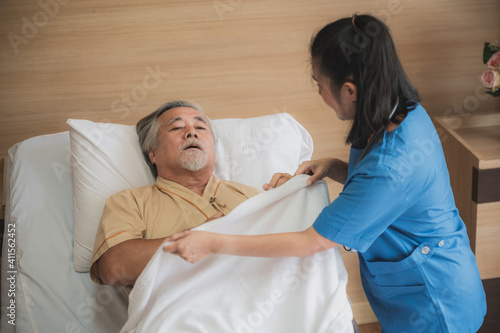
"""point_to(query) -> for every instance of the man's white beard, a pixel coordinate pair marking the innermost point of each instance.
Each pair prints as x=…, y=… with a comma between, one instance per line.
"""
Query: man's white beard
x=192, y=159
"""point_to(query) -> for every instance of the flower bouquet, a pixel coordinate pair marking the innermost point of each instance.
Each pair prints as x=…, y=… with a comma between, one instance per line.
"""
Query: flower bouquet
x=491, y=75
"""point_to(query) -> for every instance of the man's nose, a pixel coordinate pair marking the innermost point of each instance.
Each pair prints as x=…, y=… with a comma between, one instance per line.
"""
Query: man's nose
x=191, y=132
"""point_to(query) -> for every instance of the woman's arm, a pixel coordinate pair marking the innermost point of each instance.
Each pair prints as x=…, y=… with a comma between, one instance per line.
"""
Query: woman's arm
x=194, y=246
x=328, y=167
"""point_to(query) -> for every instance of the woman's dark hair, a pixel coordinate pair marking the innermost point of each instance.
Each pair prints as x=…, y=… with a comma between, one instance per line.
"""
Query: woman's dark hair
x=360, y=50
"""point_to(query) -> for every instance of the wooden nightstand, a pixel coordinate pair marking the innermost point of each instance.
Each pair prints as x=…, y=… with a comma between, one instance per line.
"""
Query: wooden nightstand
x=472, y=149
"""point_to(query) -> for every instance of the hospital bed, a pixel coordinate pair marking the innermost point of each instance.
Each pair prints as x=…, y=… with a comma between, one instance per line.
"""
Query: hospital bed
x=56, y=186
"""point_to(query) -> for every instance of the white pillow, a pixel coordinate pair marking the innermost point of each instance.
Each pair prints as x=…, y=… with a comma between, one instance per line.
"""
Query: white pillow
x=106, y=159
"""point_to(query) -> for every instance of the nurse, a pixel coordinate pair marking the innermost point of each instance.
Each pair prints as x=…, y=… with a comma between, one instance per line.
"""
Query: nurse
x=396, y=208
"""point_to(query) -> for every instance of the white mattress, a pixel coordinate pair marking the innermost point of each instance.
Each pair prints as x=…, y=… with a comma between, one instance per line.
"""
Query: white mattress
x=49, y=295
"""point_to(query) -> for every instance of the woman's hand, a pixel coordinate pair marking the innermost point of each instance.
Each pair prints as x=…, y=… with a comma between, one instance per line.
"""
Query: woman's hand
x=278, y=179
x=192, y=246
x=318, y=169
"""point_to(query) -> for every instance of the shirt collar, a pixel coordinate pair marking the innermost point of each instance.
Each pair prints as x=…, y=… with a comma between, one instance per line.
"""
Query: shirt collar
x=179, y=189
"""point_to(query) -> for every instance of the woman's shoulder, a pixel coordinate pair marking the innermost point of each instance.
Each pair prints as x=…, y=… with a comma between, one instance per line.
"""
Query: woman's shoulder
x=406, y=149
x=417, y=127
x=414, y=149
x=417, y=117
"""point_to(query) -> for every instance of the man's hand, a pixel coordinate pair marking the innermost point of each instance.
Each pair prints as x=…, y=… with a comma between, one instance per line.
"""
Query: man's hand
x=278, y=179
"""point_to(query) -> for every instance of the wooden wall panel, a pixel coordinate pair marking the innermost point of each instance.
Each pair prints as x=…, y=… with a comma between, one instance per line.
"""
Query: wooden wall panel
x=115, y=62
x=119, y=60
x=91, y=59
x=487, y=244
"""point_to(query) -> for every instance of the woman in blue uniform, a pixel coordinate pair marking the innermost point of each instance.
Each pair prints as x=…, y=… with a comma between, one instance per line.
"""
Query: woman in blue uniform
x=396, y=208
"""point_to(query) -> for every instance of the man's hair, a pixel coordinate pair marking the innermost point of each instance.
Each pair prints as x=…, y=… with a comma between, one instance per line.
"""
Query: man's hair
x=148, y=127
x=360, y=49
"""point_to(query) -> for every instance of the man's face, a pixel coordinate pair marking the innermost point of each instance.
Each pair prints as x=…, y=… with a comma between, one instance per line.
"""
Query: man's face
x=185, y=142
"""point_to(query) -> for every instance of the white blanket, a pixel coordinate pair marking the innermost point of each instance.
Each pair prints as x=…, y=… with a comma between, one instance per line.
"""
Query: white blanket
x=245, y=294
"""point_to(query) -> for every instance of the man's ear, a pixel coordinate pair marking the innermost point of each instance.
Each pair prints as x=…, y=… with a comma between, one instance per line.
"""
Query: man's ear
x=152, y=157
x=350, y=91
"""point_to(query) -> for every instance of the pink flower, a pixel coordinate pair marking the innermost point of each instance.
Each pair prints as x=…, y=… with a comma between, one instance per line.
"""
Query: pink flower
x=494, y=60
x=491, y=78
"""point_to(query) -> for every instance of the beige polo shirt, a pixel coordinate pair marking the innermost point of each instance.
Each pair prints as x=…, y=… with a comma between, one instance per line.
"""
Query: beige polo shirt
x=161, y=210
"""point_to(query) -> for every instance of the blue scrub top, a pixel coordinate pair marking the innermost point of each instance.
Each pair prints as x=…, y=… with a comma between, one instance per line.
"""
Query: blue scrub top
x=397, y=210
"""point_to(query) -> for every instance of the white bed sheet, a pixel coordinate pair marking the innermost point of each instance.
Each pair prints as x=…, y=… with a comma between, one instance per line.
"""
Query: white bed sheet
x=246, y=294
x=49, y=296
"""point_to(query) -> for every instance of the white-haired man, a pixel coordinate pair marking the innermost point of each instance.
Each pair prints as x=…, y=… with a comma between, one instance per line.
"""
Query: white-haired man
x=178, y=144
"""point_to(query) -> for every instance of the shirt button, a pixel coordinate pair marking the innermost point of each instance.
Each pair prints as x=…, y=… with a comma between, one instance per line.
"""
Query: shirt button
x=441, y=243
x=426, y=250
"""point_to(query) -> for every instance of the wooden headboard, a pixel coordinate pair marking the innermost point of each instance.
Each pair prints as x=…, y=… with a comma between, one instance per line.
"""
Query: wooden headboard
x=116, y=61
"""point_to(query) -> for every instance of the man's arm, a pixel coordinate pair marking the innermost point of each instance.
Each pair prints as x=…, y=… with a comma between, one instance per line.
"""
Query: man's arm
x=122, y=264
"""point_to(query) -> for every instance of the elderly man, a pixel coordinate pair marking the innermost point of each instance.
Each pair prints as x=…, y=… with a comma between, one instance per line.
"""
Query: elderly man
x=177, y=141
